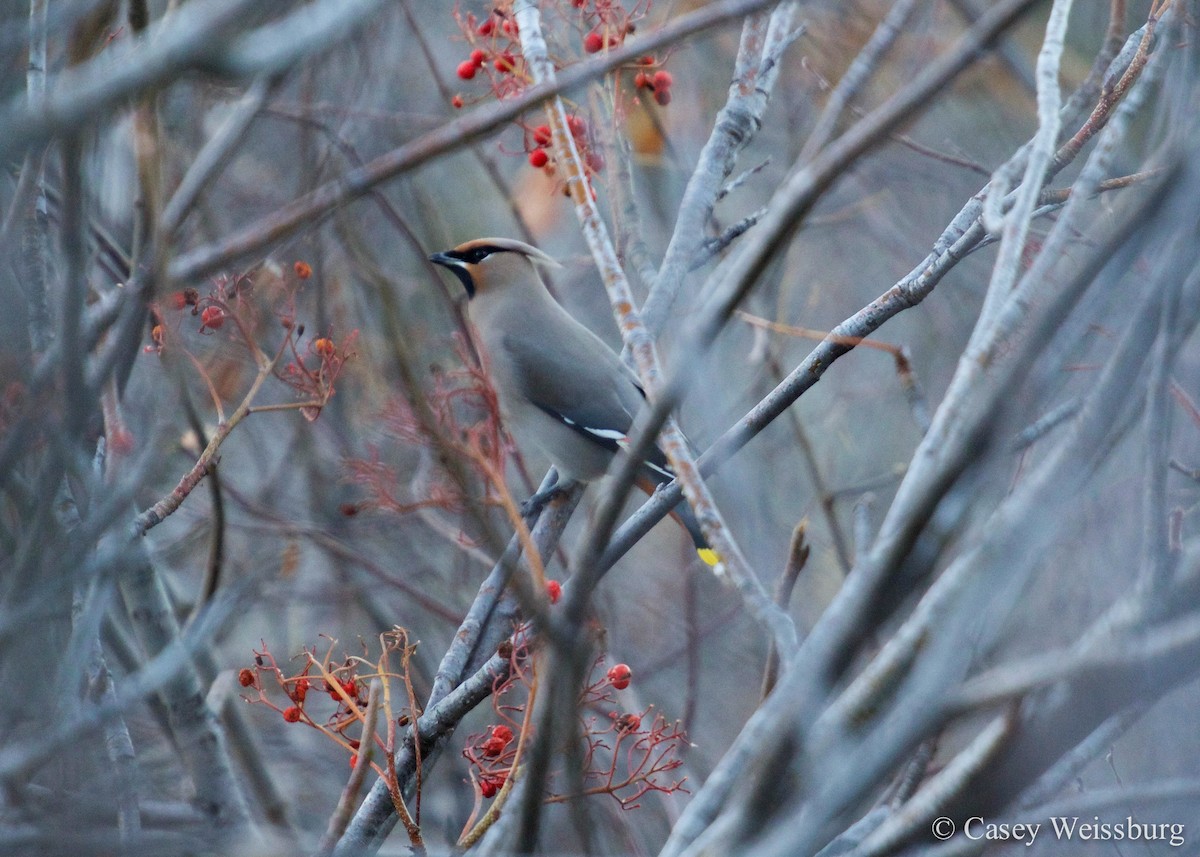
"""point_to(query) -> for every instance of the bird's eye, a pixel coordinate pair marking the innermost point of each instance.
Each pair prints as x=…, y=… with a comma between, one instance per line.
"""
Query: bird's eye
x=477, y=255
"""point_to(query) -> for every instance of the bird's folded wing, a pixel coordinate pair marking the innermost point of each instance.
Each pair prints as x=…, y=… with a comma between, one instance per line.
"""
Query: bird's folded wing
x=598, y=402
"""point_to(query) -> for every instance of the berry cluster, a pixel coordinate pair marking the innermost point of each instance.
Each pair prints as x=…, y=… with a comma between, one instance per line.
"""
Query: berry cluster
x=347, y=685
x=229, y=301
x=538, y=156
x=659, y=83
x=538, y=142
x=606, y=23
x=340, y=683
x=605, y=38
x=495, y=54
x=626, y=754
x=492, y=756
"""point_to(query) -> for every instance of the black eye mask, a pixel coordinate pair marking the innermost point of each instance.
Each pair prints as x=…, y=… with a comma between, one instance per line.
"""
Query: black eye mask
x=456, y=260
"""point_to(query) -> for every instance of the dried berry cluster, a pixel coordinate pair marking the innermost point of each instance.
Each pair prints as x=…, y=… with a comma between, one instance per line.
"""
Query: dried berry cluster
x=239, y=301
x=346, y=685
x=491, y=756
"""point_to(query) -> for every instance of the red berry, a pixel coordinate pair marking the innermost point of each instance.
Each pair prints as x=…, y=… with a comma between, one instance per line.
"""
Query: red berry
x=627, y=723
x=553, y=591
x=477, y=57
x=538, y=158
x=641, y=80
x=303, y=270
x=456, y=102
x=493, y=747
x=504, y=63
x=487, y=27
x=577, y=125
x=509, y=27
x=179, y=300
x=299, y=690
x=291, y=714
x=325, y=347
x=578, y=4
x=663, y=79
x=502, y=733
x=541, y=135
x=593, y=42
x=212, y=317
x=595, y=161
x=662, y=96
x=245, y=677
x=646, y=60
x=353, y=761
x=488, y=787
x=466, y=69
x=619, y=676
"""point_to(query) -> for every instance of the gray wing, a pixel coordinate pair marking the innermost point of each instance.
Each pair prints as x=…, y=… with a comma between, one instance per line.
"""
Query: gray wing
x=600, y=397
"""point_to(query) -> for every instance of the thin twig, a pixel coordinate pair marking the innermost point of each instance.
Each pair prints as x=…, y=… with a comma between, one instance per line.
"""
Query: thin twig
x=717, y=245
x=864, y=65
x=798, y=552
x=358, y=774
x=157, y=513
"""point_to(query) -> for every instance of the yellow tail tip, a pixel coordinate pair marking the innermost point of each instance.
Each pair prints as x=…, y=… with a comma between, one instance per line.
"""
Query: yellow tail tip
x=708, y=556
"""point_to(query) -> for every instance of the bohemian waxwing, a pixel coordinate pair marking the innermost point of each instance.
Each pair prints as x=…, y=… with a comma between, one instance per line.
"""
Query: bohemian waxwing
x=560, y=386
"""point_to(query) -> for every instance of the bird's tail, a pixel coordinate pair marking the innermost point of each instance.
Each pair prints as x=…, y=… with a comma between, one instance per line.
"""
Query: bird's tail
x=683, y=514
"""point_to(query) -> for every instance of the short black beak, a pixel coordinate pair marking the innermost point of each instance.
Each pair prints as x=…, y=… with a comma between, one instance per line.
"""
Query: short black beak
x=457, y=267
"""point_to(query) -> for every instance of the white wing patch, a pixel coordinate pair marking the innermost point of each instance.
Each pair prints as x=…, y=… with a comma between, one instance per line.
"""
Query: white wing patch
x=609, y=436
x=666, y=472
